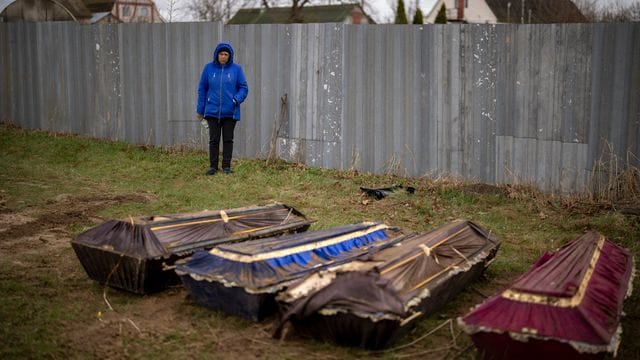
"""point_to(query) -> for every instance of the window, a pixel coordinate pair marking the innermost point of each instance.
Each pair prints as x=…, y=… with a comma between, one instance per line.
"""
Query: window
x=144, y=12
x=126, y=10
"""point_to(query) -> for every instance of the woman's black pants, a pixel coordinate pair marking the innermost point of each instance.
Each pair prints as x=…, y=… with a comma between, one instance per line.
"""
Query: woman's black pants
x=224, y=126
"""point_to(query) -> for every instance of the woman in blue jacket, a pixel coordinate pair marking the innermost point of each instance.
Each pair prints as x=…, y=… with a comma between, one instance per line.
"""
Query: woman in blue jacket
x=221, y=90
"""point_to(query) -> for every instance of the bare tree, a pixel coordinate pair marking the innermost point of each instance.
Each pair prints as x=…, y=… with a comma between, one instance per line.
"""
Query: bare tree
x=618, y=12
x=208, y=10
x=214, y=10
x=588, y=9
x=609, y=11
x=536, y=11
x=222, y=10
x=172, y=8
x=296, y=8
x=634, y=11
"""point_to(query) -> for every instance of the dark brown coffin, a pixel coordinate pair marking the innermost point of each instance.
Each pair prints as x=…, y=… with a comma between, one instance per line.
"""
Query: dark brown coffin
x=133, y=254
x=371, y=303
x=244, y=278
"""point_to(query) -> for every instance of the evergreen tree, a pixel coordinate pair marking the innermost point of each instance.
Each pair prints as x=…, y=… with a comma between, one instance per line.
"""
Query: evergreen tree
x=401, y=14
x=442, y=16
x=417, y=18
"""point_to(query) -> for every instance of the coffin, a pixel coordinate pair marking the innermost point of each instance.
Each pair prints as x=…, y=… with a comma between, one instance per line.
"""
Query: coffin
x=132, y=254
x=568, y=305
x=371, y=302
x=243, y=278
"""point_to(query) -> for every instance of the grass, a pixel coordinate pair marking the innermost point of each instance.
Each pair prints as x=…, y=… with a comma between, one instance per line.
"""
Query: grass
x=50, y=309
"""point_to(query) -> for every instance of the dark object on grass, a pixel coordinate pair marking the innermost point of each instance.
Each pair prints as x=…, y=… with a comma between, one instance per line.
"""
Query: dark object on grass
x=384, y=192
x=133, y=254
x=243, y=278
x=567, y=306
x=372, y=302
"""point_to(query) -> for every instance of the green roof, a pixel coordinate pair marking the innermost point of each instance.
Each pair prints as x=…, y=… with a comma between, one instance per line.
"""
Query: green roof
x=542, y=11
x=308, y=14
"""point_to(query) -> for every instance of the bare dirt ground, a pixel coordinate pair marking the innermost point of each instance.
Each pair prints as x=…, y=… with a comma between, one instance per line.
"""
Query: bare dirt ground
x=115, y=324
x=109, y=323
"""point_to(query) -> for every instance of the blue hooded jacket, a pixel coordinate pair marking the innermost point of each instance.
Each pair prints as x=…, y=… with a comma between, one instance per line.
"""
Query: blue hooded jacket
x=222, y=88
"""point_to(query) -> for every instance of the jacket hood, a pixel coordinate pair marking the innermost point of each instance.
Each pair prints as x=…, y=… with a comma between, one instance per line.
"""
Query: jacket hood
x=220, y=47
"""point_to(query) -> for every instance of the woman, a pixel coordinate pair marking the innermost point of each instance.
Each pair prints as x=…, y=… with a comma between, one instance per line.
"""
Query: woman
x=221, y=90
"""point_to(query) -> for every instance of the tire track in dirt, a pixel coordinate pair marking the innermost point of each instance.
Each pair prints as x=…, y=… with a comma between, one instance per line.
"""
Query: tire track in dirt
x=50, y=222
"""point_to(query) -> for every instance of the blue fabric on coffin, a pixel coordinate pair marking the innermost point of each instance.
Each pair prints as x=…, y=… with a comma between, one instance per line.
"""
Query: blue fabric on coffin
x=243, y=278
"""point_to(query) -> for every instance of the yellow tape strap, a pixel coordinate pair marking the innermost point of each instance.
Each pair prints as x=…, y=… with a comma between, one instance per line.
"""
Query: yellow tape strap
x=426, y=249
x=250, y=230
x=193, y=223
x=293, y=250
x=573, y=301
x=425, y=252
x=460, y=254
x=400, y=263
x=430, y=278
x=224, y=217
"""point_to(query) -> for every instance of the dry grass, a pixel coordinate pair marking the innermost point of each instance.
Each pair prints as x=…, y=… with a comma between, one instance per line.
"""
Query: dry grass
x=51, y=309
x=272, y=153
x=615, y=183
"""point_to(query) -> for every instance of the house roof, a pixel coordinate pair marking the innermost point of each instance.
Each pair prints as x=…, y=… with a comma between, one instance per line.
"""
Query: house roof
x=101, y=16
x=542, y=11
x=154, y=16
x=4, y=4
x=308, y=14
x=99, y=5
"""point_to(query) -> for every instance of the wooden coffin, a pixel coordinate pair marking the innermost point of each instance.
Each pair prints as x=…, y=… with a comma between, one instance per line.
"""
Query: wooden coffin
x=568, y=305
x=244, y=278
x=133, y=254
x=372, y=302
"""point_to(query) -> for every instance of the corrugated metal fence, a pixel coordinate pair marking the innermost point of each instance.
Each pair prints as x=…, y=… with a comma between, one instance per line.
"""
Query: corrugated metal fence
x=495, y=103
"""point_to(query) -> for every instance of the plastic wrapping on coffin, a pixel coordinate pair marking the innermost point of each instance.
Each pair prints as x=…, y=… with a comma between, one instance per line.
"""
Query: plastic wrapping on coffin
x=131, y=254
x=243, y=278
x=372, y=302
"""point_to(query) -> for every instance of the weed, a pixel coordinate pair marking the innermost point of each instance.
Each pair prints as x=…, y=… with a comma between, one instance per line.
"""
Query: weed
x=614, y=180
x=50, y=308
